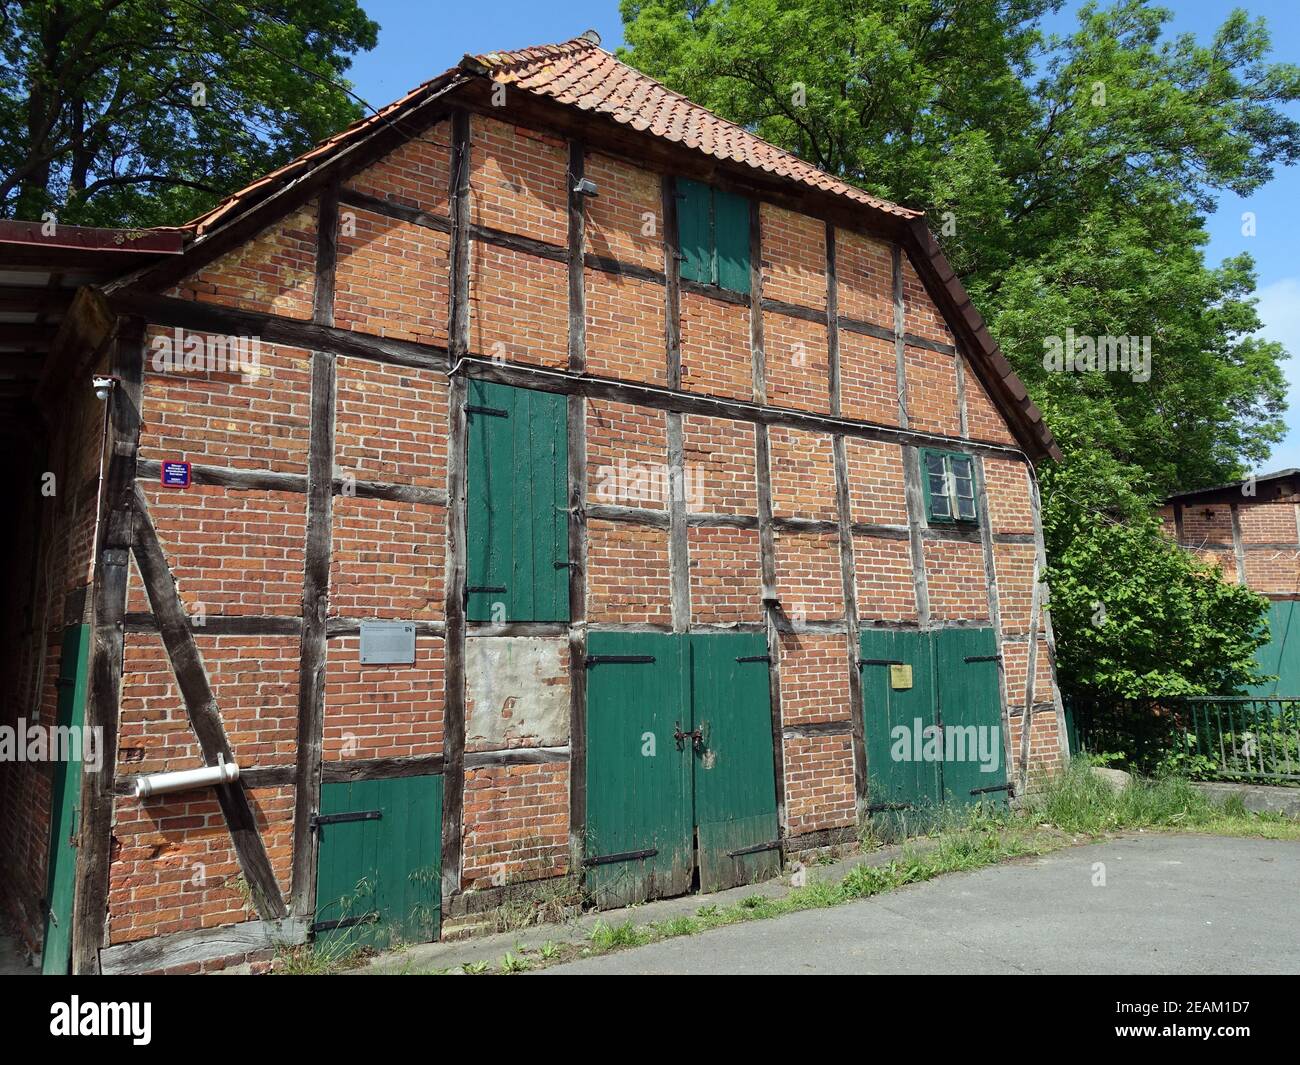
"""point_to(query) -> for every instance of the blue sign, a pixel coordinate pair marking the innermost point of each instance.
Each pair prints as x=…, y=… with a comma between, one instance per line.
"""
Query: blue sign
x=176, y=474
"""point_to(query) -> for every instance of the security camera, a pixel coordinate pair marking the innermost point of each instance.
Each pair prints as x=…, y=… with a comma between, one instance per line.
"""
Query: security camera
x=103, y=385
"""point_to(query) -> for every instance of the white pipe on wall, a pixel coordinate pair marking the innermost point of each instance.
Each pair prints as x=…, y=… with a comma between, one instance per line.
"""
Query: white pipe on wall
x=186, y=779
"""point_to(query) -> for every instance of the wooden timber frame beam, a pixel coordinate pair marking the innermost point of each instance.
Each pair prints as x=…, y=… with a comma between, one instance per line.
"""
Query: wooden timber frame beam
x=316, y=568
x=112, y=566
x=577, y=504
x=453, y=802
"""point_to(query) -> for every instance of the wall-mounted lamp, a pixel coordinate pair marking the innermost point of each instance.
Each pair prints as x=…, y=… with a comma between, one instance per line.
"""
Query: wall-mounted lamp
x=586, y=187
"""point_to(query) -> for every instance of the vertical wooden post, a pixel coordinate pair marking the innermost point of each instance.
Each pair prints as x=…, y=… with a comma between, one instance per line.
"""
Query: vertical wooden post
x=112, y=555
x=1238, y=548
x=912, y=473
x=995, y=603
x=844, y=513
x=766, y=538
x=1049, y=633
x=577, y=410
x=453, y=805
x=316, y=571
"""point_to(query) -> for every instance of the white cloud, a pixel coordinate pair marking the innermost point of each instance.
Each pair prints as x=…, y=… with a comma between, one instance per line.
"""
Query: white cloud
x=1279, y=311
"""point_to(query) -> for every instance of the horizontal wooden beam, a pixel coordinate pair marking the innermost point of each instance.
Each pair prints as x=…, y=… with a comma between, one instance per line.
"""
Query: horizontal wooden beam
x=271, y=481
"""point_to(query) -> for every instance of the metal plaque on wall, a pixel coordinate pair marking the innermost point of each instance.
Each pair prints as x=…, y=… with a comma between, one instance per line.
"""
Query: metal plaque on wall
x=387, y=643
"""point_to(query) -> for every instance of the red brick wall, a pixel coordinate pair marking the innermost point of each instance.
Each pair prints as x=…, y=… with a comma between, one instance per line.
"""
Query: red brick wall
x=517, y=180
x=803, y=474
x=418, y=174
x=798, y=363
x=931, y=392
x=518, y=306
x=794, y=257
x=819, y=782
x=627, y=573
x=719, y=458
x=383, y=711
x=275, y=272
x=716, y=356
x=954, y=574
x=885, y=587
x=516, y=824
x=391, y=278
x=627, y=455
x=625, y=328
x=920, y=316
x=808, y=576
x=617, y=222
x=868, y=379
x=814, y=679
x=726, y=576
x=865, y=274
x=876, y=492
x=390, y=423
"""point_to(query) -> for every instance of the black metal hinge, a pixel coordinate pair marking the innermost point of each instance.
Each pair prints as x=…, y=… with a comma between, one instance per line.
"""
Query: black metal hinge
x=486, y=589
x=755, y=849
x=754, y=658
x=623, y=856
x=607, y=660
x=337, y=819
x=1010, y=789
x=983, y=658
x=492, y=411
x=345, y=922
x=879, y=662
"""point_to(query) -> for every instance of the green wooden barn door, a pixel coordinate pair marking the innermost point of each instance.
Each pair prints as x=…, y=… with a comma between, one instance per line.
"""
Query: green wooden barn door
x=639, y=816
x=974, y=765
x=517, y=506
x=65, y=791
x=903, y=782
x=379, y=870
x=734, y=779
x=731, y=240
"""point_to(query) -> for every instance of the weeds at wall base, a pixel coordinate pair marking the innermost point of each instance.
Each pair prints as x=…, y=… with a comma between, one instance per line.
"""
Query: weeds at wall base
x=1074, y=807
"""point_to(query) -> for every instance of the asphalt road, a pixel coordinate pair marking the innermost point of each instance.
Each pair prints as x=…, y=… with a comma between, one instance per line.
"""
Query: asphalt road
x=1170, y=904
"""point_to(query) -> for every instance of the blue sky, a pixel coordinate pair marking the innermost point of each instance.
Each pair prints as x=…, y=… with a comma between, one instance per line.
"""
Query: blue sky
x=417, y=41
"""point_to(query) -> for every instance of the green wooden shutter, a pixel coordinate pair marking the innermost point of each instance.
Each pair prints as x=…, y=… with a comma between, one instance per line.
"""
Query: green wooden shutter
x=639, y=816
x=903, y=790
x=731, y=240
x=379, y=867
x=970, y=705
x=735, y=782
x=517, y=519
x=65, y=791
x=695, y=231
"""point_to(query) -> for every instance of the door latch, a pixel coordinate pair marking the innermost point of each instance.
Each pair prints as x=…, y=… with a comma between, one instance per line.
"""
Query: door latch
x=697, y=737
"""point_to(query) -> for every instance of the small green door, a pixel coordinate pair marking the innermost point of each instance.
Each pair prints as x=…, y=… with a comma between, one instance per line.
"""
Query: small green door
x=517, y=507
x=65, y=791
x=638, y=842
x=974, y=767
x=735, y=782
x=379, y=867
x=901, y=725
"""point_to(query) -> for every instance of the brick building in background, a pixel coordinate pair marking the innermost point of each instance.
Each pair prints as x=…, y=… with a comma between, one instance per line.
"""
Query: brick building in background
x=609, y=486
x=1251, y=530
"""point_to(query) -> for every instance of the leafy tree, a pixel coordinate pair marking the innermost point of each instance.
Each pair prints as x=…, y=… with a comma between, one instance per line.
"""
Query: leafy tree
x=116, y=112
x=1068, y=178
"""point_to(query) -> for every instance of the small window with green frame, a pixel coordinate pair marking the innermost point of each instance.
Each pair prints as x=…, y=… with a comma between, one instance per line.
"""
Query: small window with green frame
x=949, y=486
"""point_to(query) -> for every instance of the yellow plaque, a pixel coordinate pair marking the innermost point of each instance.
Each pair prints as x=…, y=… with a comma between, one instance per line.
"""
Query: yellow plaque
x=900, y=677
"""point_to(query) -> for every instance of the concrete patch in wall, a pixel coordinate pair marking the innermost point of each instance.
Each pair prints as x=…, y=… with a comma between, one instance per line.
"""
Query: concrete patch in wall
x=517, y=692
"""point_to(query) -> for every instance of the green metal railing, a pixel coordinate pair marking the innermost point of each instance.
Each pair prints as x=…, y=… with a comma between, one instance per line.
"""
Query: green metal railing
x=1235, y=738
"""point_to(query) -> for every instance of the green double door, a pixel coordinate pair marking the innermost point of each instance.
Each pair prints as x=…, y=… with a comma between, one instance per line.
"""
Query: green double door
x=56, y=950
x=680, y=781
x=932, y=715
x=379, y=864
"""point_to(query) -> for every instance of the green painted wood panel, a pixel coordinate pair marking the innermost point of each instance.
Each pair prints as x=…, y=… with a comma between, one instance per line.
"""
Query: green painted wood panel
x=731, y=240
x=734, y=778
x=902, y=783
x=385, y=872
x=517, y=516
x=695, y=231
x=638, y=779
x=1280, y=657
x=65, y=791
x=971, y=712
